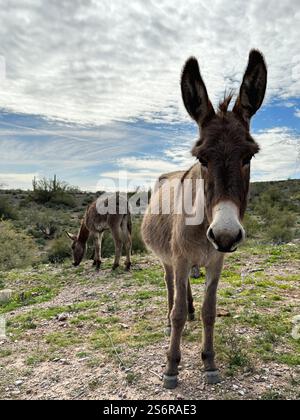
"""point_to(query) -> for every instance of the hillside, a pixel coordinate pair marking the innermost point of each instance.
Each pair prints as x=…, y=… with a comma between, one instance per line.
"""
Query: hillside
x=273, y=217
x=74, y=333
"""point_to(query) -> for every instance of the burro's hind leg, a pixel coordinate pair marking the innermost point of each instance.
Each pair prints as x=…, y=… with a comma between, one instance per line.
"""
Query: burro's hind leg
x=178, y=320
x=191, y=308
x=209, y=311
x=127, y=245
x=169, y=279
x=118, y=241
x=97, y=252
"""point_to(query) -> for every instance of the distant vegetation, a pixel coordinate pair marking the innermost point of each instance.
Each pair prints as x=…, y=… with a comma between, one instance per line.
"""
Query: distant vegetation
x=33, y=223
x=274, y=211
x=17, y=249
x=53, y=191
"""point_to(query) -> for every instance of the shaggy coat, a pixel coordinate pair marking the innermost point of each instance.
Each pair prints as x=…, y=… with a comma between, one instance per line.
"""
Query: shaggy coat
x=224, y=152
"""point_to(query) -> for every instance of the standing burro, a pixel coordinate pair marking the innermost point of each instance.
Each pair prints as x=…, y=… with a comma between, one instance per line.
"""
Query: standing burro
x=224, y=152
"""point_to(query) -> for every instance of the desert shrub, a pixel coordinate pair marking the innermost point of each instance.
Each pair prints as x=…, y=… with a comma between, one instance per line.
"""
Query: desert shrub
x=17, y=249
x=279, y=233
x=63, y=198
x=45, y=224
x=59, y=251
x=108, y=246
x=7, y=211
x=278, y=216
x=138, y=245
x=53, y=191
x=252, y=226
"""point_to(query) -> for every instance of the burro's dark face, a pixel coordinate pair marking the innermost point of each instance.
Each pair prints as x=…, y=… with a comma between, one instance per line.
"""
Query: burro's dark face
x=78, y=249
x=225, y=148
x=225, y=152
x=78, y=252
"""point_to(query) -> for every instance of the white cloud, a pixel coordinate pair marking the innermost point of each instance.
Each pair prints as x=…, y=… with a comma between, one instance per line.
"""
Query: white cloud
x=95, y=61
x=12, y=180
x=279, y=157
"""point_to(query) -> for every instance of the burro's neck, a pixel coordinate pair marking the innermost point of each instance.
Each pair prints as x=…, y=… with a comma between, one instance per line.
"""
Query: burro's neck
x=84, y=233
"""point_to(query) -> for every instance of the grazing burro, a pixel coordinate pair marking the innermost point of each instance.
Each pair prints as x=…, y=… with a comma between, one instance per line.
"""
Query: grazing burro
x=224, y=152
x=116, y=218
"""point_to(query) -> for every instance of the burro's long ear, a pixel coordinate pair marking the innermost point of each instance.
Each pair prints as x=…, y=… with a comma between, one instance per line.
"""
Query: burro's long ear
x=253, y=88
x=71, y=236
x=194, y=93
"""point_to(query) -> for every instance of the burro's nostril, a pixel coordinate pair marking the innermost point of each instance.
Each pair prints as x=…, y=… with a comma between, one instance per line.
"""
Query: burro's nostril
x=240, y=237
x=211, y=234
x=212, y=238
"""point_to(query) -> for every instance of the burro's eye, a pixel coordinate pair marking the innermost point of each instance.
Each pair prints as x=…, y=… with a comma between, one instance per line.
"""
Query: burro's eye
x=247, y=160
x=203, y=162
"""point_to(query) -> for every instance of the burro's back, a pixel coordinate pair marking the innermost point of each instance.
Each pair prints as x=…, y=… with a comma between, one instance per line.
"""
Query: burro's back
x=157, y=226
x=175, y=214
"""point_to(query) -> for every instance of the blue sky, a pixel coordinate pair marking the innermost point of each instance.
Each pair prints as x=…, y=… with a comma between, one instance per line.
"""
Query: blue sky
x=90, y=90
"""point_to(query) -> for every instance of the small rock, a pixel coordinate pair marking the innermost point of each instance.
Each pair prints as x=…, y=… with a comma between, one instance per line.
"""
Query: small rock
x=84, y=359
x=5, y=295
x=16, y=392
x=62, y=317
x=65, y=362
x=222, y=313
x=18, y=383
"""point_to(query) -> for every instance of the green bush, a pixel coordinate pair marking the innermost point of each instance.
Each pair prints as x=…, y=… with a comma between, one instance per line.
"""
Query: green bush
x=46, y=224
x=7, y=211
x=59, y=251
x=53, y=191
x=17, y=249
x=279, y=233
x=138, y=245
x=252, y=226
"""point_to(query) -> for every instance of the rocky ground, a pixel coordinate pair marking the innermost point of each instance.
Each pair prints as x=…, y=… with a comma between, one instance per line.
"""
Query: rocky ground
x=78, y=334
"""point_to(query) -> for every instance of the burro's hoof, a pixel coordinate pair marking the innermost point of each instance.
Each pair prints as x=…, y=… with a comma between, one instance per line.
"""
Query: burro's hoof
x=213, y=377
x=192, y=316
x=127, y=267
x=168, y=331
x=170, y=382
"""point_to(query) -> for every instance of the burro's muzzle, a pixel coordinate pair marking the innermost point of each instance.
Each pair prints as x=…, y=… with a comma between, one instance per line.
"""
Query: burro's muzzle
x=226, y=231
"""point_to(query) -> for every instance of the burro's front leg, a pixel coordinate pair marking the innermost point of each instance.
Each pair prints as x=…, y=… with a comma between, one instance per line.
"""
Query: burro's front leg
x=209, y=312
x=178, y=319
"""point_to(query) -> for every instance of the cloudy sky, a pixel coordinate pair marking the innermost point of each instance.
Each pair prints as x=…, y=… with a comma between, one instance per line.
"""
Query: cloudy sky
x=89, y=89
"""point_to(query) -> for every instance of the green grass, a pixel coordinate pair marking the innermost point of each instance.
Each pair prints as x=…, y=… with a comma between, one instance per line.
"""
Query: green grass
x=63, y=339
x=129, y=314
